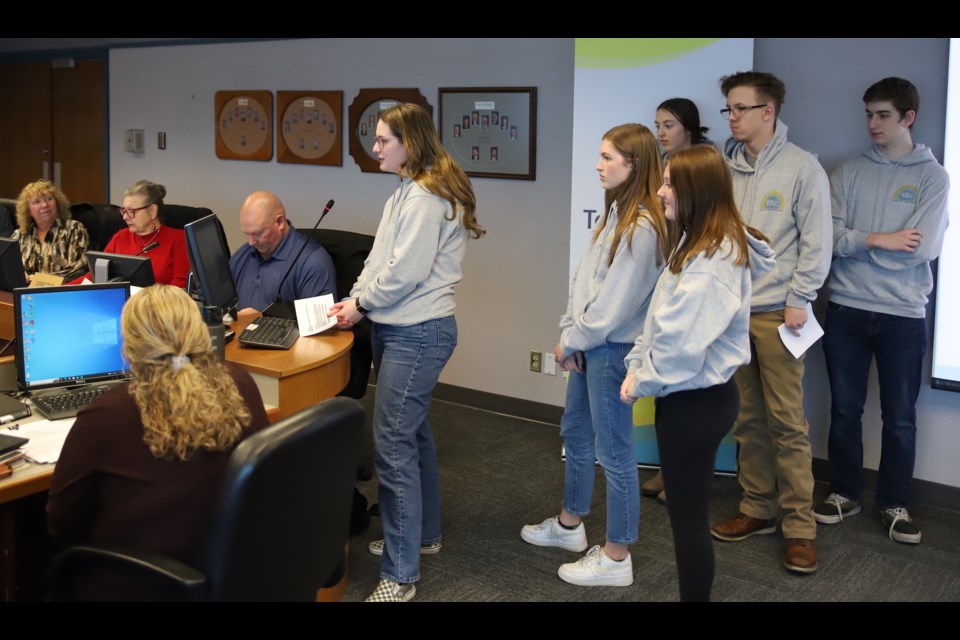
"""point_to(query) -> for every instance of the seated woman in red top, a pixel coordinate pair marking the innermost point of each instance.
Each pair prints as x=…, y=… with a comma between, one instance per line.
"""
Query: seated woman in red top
x=142, y=204
x=142, y=464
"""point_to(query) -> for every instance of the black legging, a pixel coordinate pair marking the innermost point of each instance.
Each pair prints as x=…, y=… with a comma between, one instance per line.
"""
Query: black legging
x=690, y=426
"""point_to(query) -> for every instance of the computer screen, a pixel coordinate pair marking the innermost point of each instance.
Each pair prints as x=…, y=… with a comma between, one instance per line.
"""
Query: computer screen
x=210, y=262
x=137, y=270
x=12, y=274
x=69, y=335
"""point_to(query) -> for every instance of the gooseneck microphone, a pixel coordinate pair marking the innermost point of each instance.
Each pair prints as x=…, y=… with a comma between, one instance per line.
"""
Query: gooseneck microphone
x=152, y=245
x=285, y=309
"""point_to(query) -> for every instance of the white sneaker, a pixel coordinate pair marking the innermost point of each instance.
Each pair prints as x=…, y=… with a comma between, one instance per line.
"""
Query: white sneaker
x=549, y=533
x=596, y=569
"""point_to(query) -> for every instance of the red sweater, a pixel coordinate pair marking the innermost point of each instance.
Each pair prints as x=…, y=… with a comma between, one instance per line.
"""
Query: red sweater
x=169, y=260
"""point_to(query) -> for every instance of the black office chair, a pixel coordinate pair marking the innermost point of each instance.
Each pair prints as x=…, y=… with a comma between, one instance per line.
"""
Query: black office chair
x=101, y=220
x=180, y=215
x=348, y=251
x=8, y=217
x=278, y=531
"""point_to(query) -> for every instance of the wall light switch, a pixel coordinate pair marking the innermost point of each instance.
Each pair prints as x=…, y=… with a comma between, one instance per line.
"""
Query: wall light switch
x=549, y=364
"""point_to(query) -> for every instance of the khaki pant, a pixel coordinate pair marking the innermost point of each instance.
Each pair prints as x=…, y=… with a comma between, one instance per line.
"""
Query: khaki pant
x=775, y=456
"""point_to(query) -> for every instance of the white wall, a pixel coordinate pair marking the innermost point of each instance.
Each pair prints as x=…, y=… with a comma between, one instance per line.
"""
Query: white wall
x=515, y=283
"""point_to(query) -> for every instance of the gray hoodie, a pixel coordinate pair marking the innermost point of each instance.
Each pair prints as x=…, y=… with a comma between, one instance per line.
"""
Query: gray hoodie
x=697, y=329
x=870, y=194
x=787, y=197
x=609, y=303
x=414, y=264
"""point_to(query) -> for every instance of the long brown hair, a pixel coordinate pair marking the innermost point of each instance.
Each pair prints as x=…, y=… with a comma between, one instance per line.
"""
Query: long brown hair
x=705, y=207
x=429, y=163
x=636, y=197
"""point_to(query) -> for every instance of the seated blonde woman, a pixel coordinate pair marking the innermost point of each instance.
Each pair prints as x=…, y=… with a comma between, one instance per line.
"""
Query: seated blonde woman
x=50, y=241
x=142, y=464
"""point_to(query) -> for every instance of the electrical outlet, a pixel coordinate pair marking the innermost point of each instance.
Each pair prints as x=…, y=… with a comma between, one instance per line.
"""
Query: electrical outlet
x=549, y=364
x=536, y=361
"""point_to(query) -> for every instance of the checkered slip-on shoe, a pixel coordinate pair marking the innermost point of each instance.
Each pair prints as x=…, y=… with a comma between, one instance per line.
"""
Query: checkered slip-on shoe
x=390, y=591
x=376, y=548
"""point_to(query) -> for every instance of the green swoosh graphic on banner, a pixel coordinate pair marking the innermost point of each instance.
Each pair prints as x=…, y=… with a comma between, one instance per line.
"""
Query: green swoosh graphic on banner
x=618, y=53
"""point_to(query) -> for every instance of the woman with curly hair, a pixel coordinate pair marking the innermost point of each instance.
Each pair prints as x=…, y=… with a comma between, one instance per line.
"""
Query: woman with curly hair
x=50, y=240
x=142, y=464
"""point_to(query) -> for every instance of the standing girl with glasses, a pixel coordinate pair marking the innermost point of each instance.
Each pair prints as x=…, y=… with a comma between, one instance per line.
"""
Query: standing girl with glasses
x=605, y=313
x=694, y=338
x=406, y=289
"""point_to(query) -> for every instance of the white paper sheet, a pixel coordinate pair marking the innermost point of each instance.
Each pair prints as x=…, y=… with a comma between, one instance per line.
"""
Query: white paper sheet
x=811, y=332
x=46, y=439
x=312, y=314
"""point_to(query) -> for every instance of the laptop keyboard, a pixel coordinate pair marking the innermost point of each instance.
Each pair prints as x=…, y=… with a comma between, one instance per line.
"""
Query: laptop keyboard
x=67, y=404
x=270, y=332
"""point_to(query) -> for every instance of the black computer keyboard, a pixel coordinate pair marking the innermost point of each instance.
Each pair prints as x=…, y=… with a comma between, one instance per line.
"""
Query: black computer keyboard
x=270, y=333
x=67, y=404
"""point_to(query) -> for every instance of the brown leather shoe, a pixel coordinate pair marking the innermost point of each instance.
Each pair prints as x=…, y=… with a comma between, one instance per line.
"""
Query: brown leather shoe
x=662, y=497
x=741, y=526
x=801, y=555
x=652, y=487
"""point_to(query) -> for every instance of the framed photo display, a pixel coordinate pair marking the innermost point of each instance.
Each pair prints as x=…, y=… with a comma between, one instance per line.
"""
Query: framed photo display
x=491, y=132
x=309, y=127
x=363, y=114
x=244, y=125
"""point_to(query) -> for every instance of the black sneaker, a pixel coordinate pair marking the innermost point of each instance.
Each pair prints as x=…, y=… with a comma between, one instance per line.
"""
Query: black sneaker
x=902, y=528
x=834, y=509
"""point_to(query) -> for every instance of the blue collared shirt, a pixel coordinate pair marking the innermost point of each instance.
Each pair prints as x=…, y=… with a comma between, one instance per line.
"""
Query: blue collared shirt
x=257, y=280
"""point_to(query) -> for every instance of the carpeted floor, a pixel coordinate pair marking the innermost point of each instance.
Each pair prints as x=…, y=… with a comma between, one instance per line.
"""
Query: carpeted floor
x=499, y=473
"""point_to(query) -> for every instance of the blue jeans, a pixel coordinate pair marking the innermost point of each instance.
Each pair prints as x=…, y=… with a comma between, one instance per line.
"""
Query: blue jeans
x=852, y=338
x=408, y=362
x=596, y=425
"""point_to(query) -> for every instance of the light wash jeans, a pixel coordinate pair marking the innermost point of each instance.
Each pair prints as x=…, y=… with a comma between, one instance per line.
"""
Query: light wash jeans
x=596, y=425
x=408, y=361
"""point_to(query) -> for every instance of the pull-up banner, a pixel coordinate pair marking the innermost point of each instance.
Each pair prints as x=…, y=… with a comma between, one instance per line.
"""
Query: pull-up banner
x=620, y=80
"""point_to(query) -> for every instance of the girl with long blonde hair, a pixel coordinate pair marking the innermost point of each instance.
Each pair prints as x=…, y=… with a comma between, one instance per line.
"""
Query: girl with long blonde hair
x=605, y=313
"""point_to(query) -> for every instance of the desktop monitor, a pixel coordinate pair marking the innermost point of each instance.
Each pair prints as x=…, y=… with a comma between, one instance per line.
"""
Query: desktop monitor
x=210, y=262
x=119, y=267
x=12, y=274
x=68, y=336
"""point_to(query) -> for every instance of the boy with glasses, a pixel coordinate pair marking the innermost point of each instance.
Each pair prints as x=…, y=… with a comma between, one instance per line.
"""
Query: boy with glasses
x=783, y=191
x=889, y=218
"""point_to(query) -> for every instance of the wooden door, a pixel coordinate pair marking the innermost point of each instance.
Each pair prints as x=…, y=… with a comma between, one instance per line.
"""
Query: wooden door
x=79, y=130
x=53, y=125
x=25, y=132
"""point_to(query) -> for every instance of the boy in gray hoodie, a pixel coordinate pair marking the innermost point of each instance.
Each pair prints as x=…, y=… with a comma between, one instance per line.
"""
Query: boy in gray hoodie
x=783, y=191
x=889, y=218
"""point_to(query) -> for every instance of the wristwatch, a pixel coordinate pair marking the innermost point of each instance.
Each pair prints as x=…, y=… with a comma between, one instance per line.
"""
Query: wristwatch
x=361, y=309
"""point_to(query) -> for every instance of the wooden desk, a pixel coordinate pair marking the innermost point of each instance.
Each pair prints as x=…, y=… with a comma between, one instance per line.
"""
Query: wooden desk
x=314, y=369
x=7, y=327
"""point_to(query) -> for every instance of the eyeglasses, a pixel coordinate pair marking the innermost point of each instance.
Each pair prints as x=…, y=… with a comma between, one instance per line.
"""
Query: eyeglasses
x=132, y=212
x=382, y=142
x=739, y=110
